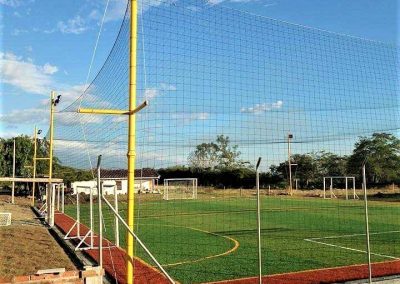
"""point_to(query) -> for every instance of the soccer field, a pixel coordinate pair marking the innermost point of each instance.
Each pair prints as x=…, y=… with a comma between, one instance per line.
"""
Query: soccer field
x=216, y=239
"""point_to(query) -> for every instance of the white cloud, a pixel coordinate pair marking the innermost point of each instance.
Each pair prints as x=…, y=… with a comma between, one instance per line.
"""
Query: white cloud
x=189, y=117
x=49, y=69
x=154, y=3
x=261, y=108
x=116, y=10
x=120, y=118
x=25, y=75
x=25, y=116
x=193, y=8
x=68, y=94
x=216, y=2
x=17, y=32
x=76, y=25
x=11, y=3
x=270, y=4
x=151, y=93
x=16, y=3
x=167, y=87
x=73, y=118
x=9, y=134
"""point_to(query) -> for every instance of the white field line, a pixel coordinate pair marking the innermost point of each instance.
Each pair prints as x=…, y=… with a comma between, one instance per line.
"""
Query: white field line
x=352, y=235
x=316, y=240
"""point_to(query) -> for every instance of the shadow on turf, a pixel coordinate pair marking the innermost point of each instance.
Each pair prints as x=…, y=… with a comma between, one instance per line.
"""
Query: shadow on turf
x=252, y=231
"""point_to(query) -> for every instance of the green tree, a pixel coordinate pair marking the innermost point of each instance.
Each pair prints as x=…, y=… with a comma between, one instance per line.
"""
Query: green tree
x=204, y=157
x=2, y=158
x=330, y=164
x=304, y=169
x=381, y=153
x=216, y=155
x=310, y=168
x=24, y=149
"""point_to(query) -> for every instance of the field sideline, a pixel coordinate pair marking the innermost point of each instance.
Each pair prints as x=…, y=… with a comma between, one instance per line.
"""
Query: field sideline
x=215, y=239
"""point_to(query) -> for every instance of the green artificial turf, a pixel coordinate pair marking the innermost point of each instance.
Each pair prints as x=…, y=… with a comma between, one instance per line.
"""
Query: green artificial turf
x=185, y=234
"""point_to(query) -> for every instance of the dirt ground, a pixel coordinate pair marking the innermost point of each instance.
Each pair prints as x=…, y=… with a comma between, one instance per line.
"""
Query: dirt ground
x=26, y=245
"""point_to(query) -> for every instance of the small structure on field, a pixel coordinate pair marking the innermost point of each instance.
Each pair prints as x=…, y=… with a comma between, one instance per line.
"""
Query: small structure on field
x=346, y=180
x=146, y=179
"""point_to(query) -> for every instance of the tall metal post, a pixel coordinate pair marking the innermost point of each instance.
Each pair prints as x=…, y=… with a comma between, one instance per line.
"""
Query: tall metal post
x=78, y=214
x=62, y=197
x=13, y=183
x=100, y=195
x=47, y=216
x=53, y=205
x=116, y=221
x=290, y=136
x=131, y=112
x=58, y=196
x=91, y=216
x=259, y=221
x=131, y=141
x=50, y=187
x=367, y=224
x=34, y=164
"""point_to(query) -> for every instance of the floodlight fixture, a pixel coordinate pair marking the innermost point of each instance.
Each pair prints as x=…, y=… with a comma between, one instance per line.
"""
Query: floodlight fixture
x=258, y=162
x=57, y=100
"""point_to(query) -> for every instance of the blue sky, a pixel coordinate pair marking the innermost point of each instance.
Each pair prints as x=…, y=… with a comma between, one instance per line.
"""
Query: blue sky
x=48, y=44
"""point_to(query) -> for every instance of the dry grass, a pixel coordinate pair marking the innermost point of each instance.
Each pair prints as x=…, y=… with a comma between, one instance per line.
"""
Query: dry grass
x=26, y=245
x=383, y=193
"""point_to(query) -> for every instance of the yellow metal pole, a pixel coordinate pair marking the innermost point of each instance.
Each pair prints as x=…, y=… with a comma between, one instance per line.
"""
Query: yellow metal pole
x=51, y=136
x=34, y=165
x=49, y=191
x=131, y=142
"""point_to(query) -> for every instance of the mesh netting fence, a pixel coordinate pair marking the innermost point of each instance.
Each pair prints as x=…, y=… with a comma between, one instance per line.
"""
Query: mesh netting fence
x=224, y=88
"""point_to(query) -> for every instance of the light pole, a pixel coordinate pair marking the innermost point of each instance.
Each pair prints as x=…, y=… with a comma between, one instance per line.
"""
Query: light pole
x=13, y=183
x=51, y=194
x=258, y=220
x=35, y=134
x=289, y=137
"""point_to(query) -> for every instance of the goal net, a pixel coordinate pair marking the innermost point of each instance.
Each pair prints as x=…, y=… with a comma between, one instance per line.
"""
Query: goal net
x=349, y=183
x=184, y=188
x=5, y=219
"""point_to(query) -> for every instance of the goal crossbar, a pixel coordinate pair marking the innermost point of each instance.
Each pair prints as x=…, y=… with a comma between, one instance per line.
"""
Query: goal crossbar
x=347, y=179
x=174, y=190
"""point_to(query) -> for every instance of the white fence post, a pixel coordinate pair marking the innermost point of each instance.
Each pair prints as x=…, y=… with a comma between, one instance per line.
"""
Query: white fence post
x=116, y=221
x=259, y=221
x=367, y=224
x=100, y=196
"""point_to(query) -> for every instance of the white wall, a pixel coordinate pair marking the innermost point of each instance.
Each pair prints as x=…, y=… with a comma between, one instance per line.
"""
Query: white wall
x=146, y=186
x=108, y=186
x=85, y=186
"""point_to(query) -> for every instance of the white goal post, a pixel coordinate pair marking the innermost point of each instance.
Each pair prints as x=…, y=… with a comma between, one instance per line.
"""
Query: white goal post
x=5, y=219
x=348, y=180
x=180, y=188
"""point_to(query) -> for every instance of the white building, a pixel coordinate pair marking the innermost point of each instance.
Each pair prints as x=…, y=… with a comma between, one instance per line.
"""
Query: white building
x=85, y=186
x=146, y=180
